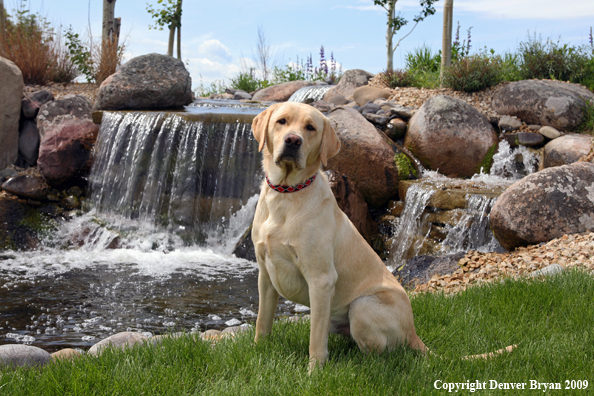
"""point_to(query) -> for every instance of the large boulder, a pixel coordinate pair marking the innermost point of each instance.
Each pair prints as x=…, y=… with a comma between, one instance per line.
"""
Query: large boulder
x=365, y=157
x=11, y=95
x=367, y=93
x=543, y=102
x=350, y=80
x=280, y=92
x=566, y=150
x=449, y=135
x=545, y=205
x=352, y=203
x=55, y=112
x=65, y=152
x=146, y=82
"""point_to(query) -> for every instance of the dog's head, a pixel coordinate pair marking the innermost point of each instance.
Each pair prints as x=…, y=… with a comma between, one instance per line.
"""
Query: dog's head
x=296, y=136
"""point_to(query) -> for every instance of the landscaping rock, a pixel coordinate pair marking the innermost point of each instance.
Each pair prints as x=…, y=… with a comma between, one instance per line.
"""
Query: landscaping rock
x=367, y=93
x=22, y=225
x=27, y=186
x=420, y=269
x=365, y=157
x=350, y=80
x=544, y=102
x=449, y=135
x=55, y=112
x=66, y=354
x=549, y=132
x=18, y=355
x=280, y=92
x=369, y=108
x=122, y=340
x=396, y=129
x=11, y=94
x=29, y=141
x=339, y=100
x=7, y=174
x=352, y=203
x=152, y=81
x=378, y=120
x=239, y=95
x=211, y=334
x=32, y=102
x=507, y=124
x=395, y=110
x=549, y=270
x=65, y=152
x=527, y=139
x=566, y=150
x=545, y=205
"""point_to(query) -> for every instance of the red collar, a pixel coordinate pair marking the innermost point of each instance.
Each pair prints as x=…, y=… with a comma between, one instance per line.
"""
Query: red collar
x=290, y=189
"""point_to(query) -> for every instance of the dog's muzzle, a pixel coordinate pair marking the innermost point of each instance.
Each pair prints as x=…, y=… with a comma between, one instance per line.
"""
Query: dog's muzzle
x=291, y=149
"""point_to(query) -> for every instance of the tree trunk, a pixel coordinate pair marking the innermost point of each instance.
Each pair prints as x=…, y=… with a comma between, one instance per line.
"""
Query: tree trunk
x=179, y=42
x=108, y=32
x=446, y=43
x=2, y=23
x=390, y=36
x=171, y=39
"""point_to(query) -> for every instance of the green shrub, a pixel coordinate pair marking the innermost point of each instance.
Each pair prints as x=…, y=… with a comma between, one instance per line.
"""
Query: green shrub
x=216, y=87
x=397, y=78
x=587, y=125
x=473, y=73
x=510, y=67
x=247, y=81
x=423, y=59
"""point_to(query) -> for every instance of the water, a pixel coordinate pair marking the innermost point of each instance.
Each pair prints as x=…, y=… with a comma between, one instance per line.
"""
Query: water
x=313, y=93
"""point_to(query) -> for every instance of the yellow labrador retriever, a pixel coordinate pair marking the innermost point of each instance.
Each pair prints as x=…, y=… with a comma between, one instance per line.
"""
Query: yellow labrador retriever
x=309, y=252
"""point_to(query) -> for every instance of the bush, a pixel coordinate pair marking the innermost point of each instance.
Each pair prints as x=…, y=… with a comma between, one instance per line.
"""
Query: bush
x=473, y=73
x=247, y=81
x=423, y=59
x=216, y=87
x=397, y=78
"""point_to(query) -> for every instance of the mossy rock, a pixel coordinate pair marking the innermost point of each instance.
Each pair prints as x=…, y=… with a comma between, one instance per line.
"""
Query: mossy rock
x=405, y=166
x=23, y=226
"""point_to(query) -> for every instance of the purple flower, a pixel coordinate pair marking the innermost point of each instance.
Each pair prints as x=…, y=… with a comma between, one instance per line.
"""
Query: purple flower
x=591, y=40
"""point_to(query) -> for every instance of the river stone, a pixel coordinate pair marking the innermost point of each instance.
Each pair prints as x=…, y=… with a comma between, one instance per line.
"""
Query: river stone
x=152, y=81
x=507, y=123
x=527, y=139
x=32, y=102
x=339, y=100
x=124, y=340
x=376, y=119
x=421, y=268
x=21, y=225
x=351, y=202
x=396, y=128
x=545, y=205
x=11, y=94
x=449, y=135
x=393, y=109
x=239, y=95
x=280, y=92
x=65, y=152
x=29, y=141
x=566, y=150
x=365, y=157
x=27, y=186
x=544, y=102
x=552, y=269
x=350, y=80
x=368, y=93
x=55, y=112
x=549, y=132
x=18, y=355
x=66, y=354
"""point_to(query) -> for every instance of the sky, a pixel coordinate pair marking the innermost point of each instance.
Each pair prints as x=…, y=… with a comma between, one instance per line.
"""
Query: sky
x=218, y=37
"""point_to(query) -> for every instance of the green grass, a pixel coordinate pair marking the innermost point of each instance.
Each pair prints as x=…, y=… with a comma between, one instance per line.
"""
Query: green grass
x=550, y=321
x=587, y=125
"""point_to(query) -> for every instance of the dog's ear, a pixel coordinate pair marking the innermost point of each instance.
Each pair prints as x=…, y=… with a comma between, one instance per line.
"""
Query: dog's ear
x=330, y=142
x=260, y=125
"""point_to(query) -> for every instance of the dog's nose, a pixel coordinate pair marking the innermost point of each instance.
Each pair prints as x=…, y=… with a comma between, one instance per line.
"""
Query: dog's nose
x=293, y=140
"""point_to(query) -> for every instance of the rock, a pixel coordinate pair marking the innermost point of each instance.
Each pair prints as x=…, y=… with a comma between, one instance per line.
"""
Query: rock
x=239, y=95
x=543, y=102
x=122, y=341
x=369, y=108
x=75, y=190
x=545, y=205
x=549, y=270
x=527, y=139
x=365, y=157
x=449, y=135
x=70, y=202
x=395, y=110
x=535, y=128
x=65, y=152
x=29, y=141
x=507, y=124
x=395, y=208
x=351, y=202
x=368, y=93
x=70, y=107
x=339, y=100
x=376, y=119
x=7, y=174
x=323, y=106
x=421, y=268
x=22, y=225
x=66, y=354
x=549, y=132
x=396, y=129
x=350, y=80
x=18, y=355
x=11, y=94
x=32, y=102
x=230, y=91
x=447, y=217
x=566, y=150
x=27, y=186
x=245, y=247
x=152, y=81
x=210, y=334
x=280, y=92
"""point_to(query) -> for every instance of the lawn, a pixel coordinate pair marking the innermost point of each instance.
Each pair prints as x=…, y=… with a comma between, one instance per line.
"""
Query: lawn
x=551, y=321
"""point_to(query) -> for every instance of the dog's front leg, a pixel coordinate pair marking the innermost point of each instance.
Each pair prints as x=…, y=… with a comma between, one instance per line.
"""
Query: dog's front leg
x=321, y=291
x=267, y=304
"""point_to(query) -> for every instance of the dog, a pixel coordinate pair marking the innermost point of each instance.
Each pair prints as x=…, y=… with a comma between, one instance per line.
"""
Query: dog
x=307, y=249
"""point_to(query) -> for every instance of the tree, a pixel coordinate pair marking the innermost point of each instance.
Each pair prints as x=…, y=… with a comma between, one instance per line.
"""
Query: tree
x=396, y=22
x=263, y=55
x=170, y=16
x=2, y=23
x=446, y=42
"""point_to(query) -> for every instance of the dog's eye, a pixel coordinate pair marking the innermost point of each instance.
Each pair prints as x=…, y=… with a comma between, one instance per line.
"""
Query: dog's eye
x=282, y=121
x=310, y=128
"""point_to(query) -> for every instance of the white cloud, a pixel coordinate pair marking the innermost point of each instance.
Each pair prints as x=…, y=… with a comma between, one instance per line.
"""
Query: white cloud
x=215, y=49
x=528, y=9
x=210, y=70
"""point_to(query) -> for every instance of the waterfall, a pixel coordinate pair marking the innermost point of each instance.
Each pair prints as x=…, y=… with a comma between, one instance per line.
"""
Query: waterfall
x=313, y=93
